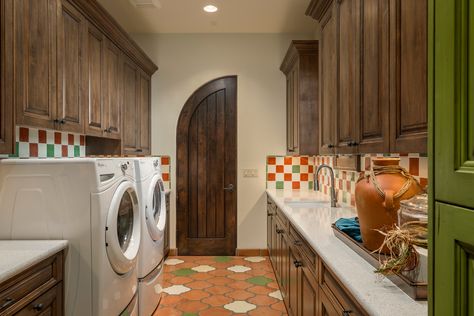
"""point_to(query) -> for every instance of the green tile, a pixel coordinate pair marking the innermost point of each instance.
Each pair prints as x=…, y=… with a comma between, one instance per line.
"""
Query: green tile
x=295, y=169
x=353, y=175
x=310, y=185
x=189, y=314
x=50, y=150
x=77, y=151
x=344, y=197
x=223, y=259
x=279, y=184
x=183, y=272
x=17, y=150
x=260, y=280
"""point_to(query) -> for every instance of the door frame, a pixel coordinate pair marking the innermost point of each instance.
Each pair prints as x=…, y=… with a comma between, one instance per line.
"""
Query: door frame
x=220, y=83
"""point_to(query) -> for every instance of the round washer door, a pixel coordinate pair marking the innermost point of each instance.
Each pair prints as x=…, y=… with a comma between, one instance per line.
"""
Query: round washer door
x=155, y=209
x=122, y=234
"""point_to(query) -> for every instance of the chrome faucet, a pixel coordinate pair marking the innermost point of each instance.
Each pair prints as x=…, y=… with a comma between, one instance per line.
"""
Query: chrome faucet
x=333, y=188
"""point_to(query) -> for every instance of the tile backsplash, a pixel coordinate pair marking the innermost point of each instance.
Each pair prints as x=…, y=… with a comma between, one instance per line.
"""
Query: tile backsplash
x=288, y=172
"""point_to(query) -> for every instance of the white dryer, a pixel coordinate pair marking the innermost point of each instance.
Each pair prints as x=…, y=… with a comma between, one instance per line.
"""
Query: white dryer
x=153, y=220
x=93, y=204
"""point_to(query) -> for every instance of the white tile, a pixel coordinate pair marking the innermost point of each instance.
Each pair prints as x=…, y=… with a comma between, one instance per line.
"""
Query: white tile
x=70, y=151
x=64, y=138
x=423, y=167
x=279, y=177
x=271, y=168
x=42, y=150
x=49, y=136
x=239, y=269
x=82, y=151
x=276, y=294
x=240, y=307
x=173, y=262
x=23, y=150
x=271, y=185
x=288, y=168
x=255, y=259
x=57, y=151
x=203, y=268
x=176, y=289
x=295, y=177
x=304, y=169
x=33, y=135
x=295, y=160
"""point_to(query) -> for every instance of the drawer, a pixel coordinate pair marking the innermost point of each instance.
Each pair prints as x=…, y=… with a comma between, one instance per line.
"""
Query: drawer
x=47, y=304
x=307, y=252
x=334, y=290
x=42, y=275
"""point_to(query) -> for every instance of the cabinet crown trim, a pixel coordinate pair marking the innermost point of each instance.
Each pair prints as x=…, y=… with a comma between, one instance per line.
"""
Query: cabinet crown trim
x=317, y=8
x=298, y=48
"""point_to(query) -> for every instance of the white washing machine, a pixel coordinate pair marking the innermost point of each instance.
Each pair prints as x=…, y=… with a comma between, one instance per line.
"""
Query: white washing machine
x=93, y=204
x=153, y=220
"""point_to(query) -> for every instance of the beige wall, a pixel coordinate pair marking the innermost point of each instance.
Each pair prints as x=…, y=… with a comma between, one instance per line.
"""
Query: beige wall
x=188, y=61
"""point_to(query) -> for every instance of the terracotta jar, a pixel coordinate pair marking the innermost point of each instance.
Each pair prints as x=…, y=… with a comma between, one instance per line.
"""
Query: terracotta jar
x=378, y=197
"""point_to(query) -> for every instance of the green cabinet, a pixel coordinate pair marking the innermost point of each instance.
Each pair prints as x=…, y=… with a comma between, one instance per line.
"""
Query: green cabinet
x=452, y=157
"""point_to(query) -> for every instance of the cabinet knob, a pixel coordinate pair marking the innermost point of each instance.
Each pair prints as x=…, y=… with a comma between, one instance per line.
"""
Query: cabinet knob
x=330, y=146
x=38, y=307
x=297, y=263
x=297, y=243
x=7, y=302
x=346, y=313
x=229, y=188
x=139, y=150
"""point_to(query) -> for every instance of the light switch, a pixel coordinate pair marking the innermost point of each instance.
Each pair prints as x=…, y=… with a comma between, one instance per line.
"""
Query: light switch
x=250, y=173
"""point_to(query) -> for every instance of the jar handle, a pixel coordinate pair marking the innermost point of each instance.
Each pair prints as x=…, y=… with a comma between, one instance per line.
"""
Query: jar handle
x=388, y=200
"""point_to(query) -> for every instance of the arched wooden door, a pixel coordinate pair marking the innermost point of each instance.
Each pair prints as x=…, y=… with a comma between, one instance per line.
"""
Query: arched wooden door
x=206, y=141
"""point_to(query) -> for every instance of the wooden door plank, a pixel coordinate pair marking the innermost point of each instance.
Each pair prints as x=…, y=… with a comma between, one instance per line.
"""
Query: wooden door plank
x=193, y=178
x=220, y=166
x=202, y=168
x=211, y=163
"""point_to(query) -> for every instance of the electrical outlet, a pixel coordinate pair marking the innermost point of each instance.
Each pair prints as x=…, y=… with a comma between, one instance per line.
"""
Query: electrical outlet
x=250, y=173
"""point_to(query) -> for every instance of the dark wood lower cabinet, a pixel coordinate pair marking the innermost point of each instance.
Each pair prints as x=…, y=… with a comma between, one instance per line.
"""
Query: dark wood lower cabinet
x=166, y=244
x=308, y=287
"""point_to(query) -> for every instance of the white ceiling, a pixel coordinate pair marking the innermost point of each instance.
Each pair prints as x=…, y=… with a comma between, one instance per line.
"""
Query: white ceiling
x=234, y=16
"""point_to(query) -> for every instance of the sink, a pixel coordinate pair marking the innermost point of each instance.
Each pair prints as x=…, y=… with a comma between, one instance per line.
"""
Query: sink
x=307, y=204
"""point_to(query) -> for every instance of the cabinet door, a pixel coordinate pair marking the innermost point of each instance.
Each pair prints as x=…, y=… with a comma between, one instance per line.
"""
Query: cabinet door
x=290, y=146
x=72, y=69
x=34, y=51
x=94, y=106
x=7, y=124
x=328, y=82
x=328, y=307
x=130, y=133
x=308, y=291
x=145, y=114
x=347, y=122
x=296, y=111
x=408, y=88
x=284, y=264
x=269, y=226
x=293, y=284
x=112, y=91
x=374, y=105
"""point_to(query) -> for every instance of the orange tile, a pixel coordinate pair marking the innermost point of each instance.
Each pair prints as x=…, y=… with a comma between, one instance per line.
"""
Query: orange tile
x=240, y=295
x=288, y=160
x=303, y=161
x=258, y=289
x=195, y=295
x=217, y=300
x=171, y=300
x=198, y=285
x=219, y=289
x=279, y=307
x=167, y=311
x=295, y=185
x=220, y=272
x=271, y=177
x=304, y=177
x=288, y=176
x=219, y=281
x=239, y=276
x=240, y=285
x=218, y=311
x=271, y=160
x=180, y=280
x=262, y=300
x=201, y=276
x=280, y=169
x=265, y=311
x=192, y=306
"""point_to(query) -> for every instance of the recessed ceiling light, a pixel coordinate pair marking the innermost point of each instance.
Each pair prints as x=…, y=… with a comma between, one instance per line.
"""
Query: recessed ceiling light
x=210, y=8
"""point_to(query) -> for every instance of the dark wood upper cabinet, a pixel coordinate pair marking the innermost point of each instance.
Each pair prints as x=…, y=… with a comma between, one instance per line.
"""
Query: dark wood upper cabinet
x=7, y=124
x=373, y=73
x=301, y=69
x=94, y=103
x=72, y=68
x=144, y=106
x=328, y=81
x=408, y=74
x=374, y=104
x=33, y=45
x=348, y=71
x=112, y=92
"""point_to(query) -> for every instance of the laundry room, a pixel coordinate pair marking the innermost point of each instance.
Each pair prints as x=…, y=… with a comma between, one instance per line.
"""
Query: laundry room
x=236, y=157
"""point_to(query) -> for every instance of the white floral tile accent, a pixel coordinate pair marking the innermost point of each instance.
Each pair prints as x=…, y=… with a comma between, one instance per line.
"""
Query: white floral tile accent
x=176, y=289
x=173, y=262
x=203, y=268
x=255, y=259
x=239, y=269
x=240, y=307
x=276, y=294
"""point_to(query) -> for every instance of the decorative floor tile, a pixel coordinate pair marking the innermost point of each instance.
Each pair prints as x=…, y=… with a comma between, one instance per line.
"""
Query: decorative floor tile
x=239, y=269
x=276, y=294
x=203, y=268
x=173, y=261
x=176, y=290
x=220, y=286
x=255, y=259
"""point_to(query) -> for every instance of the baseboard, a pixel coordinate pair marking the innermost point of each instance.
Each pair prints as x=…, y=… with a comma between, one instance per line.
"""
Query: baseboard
x=251, y=252
x=173, y=252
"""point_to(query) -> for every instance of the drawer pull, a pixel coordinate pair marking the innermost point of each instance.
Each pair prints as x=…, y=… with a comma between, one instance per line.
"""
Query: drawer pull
x=297, y=263
x=280, y=231
x=7, y=302
x=38, y=307
x=346, y=313
x=297, y=243
x=269, y=214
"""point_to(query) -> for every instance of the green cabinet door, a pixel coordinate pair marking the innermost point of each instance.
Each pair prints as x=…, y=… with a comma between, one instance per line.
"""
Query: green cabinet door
x=454, y=101
x=454, y=267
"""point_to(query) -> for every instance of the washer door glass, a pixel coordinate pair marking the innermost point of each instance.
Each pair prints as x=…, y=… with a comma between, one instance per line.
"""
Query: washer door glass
x=125, y=221
x=156, y=209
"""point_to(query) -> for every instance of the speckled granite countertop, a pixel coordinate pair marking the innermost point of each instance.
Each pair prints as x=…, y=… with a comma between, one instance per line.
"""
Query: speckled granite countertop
x=379, y=296
x=18, y=255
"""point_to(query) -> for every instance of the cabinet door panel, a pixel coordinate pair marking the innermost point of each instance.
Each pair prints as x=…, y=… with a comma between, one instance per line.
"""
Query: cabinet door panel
x=7, y=124
x=71, y=68
x=348, y=75
x=327, y=307
x=308, y=291
x=328, y=83
x=130, y=107
x=34, y=29
x=296, y=111
x=408, y=113
x=95, y=59
x=112, y=91
x=293, y=284
x=289, y=114
x=374, y=105
x=145, y=114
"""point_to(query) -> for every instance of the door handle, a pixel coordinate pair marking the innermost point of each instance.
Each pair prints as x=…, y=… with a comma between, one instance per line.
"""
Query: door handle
x=229, y=188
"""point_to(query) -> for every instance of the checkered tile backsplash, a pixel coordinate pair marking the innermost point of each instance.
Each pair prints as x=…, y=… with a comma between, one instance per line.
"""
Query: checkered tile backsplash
x=41, y=143
x=283, y=172
x=166, y=171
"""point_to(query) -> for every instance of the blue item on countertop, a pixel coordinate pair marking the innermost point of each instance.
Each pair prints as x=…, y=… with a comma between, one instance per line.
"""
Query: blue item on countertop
x=350, y=226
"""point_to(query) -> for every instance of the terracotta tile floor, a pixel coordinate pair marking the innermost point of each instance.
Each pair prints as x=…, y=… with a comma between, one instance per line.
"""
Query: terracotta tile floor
x=220, y=286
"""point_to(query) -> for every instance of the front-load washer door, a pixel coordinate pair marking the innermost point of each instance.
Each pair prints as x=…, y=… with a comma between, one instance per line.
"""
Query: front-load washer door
x=122, y=233
x=155, y=209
